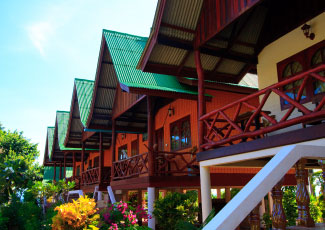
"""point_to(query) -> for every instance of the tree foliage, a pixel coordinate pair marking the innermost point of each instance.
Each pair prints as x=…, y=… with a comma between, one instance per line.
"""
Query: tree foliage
x=18, y=170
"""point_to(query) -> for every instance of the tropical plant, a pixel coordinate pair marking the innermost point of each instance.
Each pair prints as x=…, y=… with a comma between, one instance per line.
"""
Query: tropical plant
x=290, y=204
x=176, y=207
x=18, y=170
x=80, y=214
x=123, y=216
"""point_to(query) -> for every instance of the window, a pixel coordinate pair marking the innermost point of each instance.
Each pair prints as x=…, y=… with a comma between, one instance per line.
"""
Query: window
x=298, y=63
x=78, y=171
x=291, y=89
x=180, y=134
x=90, y=164
x=317, y=59
x=134, y=148
x=123, y=152
x=96, y=162
x=160, y=139
x=145, y=137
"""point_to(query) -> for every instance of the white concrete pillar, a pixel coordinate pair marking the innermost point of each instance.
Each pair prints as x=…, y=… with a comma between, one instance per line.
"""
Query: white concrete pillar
x=111, y=194
x=205, y=191
x=99, y=195
x=262, y=211
x=151, y=200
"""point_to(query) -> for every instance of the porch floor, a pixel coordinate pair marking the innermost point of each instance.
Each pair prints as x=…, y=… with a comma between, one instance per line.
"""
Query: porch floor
x=319, y=226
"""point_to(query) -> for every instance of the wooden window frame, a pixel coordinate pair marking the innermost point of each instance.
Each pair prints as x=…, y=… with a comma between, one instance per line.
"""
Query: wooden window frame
x=179, y=124
x=304, y=57
x=118, y=151
x=96, y=161
x=136, y=144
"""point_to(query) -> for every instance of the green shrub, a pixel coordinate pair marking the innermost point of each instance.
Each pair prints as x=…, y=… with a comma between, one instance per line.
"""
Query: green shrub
x=176, y=207
x=290, y=204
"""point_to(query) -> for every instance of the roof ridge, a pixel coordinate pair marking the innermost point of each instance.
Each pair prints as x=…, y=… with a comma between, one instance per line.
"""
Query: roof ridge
x=79, y=79
x=121, y=33
x=61, y=111
x=50, y=127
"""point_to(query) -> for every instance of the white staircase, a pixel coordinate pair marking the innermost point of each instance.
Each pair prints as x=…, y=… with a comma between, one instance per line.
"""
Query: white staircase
x=249, y=197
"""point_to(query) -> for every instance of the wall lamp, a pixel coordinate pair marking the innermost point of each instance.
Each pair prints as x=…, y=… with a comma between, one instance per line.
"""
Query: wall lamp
x=171, y=111
x=306, y=29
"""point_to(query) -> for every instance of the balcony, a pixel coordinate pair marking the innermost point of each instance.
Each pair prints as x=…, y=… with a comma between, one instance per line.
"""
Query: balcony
x=91, y=176
x=243, y=121
x=166, y=164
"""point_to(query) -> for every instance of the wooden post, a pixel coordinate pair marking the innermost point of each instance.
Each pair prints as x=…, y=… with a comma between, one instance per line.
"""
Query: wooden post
x=60, y=173
x=278, y=215
x=113, y=146
x=201, y=99
x=101, y=158
x=54, y=174
x=82, y=161
x=64, y=166
x=73, y=164
x=151, y=124
x=254, y=218
x=227, y=194
x=304, y=219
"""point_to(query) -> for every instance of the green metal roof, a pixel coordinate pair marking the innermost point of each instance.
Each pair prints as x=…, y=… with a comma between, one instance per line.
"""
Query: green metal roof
x=49, y=173
x=85, y=89
x=50, y=137
x=62, y=119
x=126, y=50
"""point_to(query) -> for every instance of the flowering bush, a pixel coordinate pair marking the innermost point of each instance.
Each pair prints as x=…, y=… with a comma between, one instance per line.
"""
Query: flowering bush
x=122, y=216
x=80, y=214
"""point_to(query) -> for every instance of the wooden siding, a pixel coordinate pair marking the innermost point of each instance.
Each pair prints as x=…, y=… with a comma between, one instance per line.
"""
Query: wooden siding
x=182, y=108
x=216, y=15
x=123, y=101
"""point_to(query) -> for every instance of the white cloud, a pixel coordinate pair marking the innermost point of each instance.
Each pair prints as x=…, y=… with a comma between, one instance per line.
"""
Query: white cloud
x=39, y=33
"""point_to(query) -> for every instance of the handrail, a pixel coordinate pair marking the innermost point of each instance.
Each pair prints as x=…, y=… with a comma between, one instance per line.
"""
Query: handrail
x=130, y=167
x=223, y=128
x=176, y=163
x=91, y=176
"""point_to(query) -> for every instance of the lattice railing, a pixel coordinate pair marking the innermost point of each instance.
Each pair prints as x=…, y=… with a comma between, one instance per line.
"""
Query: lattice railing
x=91, y=176
x=131, y=167
x=240, y=120
x=176, y=163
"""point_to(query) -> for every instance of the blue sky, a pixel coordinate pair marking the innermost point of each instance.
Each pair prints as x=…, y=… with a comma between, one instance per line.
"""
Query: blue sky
x=44, y=45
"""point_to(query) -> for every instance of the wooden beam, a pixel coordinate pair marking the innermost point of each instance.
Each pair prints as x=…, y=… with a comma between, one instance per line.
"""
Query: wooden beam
x=151, y=128
x=64, y=165
x=113, y=146
x=209, y=50
x=86, y=135
x=101, y=158
x=82, y=157
x=74, y=164
x=201, y=101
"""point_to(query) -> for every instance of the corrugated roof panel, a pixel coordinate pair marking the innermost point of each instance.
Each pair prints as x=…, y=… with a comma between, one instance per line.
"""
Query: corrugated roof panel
x=125, y=52
x=243, y=49
x=217, y=43
x=170, y=56
x=50, y=139
x=182, y=13
x=49, y=173
x=62, y=119
x=230, y=66
x=254, y=26
x=174, y=33
x=85, y=89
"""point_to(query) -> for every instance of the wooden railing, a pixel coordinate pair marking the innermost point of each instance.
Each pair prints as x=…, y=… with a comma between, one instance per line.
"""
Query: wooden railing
x=166, y=164
x=176, y=163
x=91, y=176
x=222, y=128
x=130, y=167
